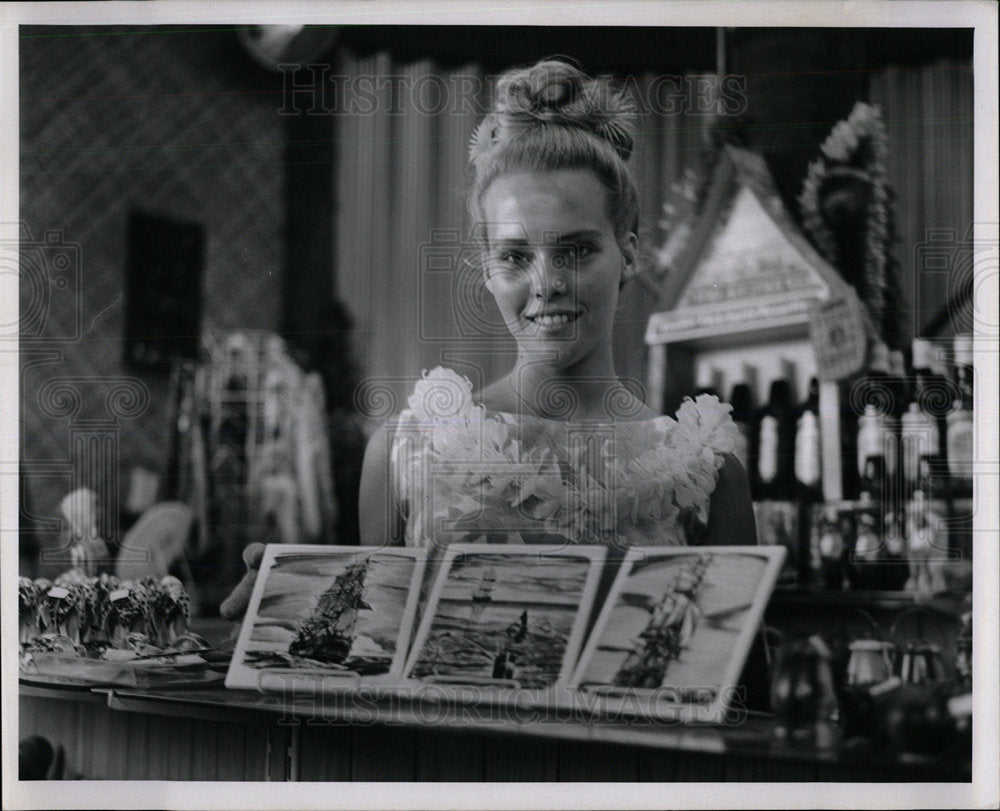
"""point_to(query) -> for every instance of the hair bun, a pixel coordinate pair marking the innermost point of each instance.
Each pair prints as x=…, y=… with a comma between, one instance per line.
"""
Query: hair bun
x=553, y=92
x=547, y=86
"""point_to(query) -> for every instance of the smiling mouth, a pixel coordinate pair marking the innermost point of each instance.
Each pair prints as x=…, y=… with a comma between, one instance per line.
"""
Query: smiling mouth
x=556, y=320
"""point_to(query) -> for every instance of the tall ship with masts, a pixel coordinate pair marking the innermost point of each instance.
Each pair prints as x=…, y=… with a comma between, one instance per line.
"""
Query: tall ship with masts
x=482, y=594
x=328, y=634
x=671, y=623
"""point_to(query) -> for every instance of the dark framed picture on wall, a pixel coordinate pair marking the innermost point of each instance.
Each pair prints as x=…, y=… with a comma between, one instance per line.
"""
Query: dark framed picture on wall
x=163, y=299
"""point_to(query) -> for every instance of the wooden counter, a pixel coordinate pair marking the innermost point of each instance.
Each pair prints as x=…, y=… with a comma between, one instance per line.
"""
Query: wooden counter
x=218, y=734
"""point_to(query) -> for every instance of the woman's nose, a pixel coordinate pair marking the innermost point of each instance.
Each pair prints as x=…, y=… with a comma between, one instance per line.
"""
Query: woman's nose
x=549, y=278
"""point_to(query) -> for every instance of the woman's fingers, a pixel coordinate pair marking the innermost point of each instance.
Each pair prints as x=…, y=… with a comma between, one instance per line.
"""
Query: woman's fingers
x=235, y=605
x=253, y=554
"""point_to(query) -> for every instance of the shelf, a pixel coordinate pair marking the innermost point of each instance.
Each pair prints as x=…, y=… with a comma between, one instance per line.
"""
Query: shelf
x=948, y=603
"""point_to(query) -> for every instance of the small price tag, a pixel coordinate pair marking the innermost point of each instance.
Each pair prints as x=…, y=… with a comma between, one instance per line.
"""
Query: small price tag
x=838, y=335
x=118, y=594
x=58, y=593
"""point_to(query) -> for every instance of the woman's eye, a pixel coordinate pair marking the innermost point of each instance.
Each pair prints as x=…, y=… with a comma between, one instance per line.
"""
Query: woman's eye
x=515, y=258
x=573, y=255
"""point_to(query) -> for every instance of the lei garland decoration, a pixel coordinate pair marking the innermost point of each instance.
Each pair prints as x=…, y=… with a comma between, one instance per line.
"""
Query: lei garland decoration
x=855, y=148
x=670, y=482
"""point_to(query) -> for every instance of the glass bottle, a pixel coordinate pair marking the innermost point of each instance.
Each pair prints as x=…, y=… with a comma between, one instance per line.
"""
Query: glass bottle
x=808, y=459
x=959, y=440
x=932, y=389
x=964, y=373
x=828, y=549
x=871, y=437
x=864, y=571
x=899, y=391
x=927, y=517
x=808, y=474
x=743, y=414
x=959, y=436
x=919, y=437
x=776, y=443
x=869, y=396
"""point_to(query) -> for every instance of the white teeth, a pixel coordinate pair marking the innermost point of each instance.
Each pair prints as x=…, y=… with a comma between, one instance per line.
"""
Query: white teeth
x=553, y=320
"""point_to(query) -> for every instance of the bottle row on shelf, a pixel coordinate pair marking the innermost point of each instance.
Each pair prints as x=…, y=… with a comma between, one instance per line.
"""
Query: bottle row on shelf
x=906, y=443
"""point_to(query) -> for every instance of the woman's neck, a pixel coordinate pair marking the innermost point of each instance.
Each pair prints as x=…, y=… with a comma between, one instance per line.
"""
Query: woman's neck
x=586, y=391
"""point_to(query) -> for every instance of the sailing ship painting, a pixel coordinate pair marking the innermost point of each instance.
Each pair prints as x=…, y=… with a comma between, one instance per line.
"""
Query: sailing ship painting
x=331, y=612
x=503, y=619
x=673, y=622
x=328, y=634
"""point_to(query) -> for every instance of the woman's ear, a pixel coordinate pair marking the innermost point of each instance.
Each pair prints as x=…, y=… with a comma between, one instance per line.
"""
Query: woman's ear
x=630, y=256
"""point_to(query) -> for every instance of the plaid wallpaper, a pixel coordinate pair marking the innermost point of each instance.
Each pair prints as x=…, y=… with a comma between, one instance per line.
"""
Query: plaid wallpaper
x=182, y=125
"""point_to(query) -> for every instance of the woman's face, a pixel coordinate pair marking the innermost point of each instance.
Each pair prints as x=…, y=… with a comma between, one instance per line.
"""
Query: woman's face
x=553, y=263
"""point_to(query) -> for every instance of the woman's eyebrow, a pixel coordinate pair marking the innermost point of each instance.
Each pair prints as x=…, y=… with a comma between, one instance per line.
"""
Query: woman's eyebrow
x=572, y=236
x=551, y=239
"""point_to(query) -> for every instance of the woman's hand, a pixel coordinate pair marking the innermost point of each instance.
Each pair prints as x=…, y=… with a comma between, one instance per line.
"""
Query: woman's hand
x=235, y=605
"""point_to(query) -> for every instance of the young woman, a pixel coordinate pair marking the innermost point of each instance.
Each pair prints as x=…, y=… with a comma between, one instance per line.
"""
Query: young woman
x=558, y=450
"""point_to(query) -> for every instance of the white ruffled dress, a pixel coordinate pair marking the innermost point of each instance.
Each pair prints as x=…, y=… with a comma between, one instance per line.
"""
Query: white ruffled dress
x=465, y=474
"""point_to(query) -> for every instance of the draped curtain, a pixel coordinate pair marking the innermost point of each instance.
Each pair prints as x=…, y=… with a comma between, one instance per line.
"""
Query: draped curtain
x=402, y=230
x=929, y=120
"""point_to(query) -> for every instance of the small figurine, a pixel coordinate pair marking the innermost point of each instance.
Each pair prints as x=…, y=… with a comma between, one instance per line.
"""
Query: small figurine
x=894, y=561
x=42, y=586
x=831, y=550
x=88, y=595
x=64, y=609
x=80, y=534
x=919, y=545
x=104, y=585
x=866, y=548
x=127, y=612
x=170, y=611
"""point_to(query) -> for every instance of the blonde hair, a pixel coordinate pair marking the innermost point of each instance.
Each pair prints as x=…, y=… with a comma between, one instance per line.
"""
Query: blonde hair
x=552, y=116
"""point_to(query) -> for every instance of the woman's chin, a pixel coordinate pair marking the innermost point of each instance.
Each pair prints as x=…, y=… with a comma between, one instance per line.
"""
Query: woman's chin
x=557, y=348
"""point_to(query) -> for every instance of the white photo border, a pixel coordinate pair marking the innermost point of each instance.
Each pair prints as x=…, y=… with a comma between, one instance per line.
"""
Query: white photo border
x=983, y=792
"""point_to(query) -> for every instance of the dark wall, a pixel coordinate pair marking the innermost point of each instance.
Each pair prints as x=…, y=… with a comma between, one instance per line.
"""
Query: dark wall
x=635, y=49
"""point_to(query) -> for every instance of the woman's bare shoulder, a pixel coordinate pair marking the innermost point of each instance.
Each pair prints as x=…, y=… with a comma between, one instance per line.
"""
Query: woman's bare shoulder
x=380, y=521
